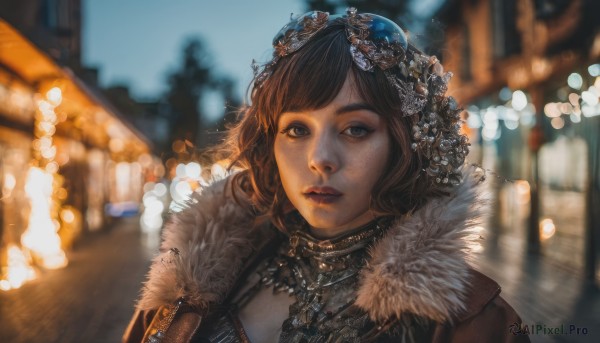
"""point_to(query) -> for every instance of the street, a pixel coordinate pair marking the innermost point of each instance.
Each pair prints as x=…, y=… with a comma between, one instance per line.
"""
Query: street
x=544, y=293
x=91, y=300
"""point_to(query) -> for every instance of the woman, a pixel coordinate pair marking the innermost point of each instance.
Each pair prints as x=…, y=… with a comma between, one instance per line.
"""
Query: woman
x=351, y=217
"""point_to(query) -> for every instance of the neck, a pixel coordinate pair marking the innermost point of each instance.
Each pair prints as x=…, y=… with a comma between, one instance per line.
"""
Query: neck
x=355, y=225
x=329, y=235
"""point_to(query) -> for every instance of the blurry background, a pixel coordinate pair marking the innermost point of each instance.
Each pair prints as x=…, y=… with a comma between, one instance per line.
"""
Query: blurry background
x=105, y=104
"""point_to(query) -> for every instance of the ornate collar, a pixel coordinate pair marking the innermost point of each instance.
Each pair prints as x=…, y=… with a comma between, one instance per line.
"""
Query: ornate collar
x=326, y=255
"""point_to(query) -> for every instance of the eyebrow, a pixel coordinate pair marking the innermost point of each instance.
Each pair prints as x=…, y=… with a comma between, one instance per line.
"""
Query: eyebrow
x=355, y=107
x=358, y=106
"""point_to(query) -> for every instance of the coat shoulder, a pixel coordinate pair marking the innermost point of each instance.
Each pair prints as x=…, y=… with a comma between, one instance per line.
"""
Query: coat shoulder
x=487, y=317
x=481, y=290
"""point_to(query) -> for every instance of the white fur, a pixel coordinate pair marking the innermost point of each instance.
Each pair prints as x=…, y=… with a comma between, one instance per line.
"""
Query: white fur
x=420, y=265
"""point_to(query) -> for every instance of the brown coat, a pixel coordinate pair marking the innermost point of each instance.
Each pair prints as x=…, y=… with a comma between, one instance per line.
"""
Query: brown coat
x=420, y=267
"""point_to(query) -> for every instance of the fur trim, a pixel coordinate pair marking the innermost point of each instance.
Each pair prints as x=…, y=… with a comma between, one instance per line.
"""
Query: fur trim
x=204, y=248
x=421, y=266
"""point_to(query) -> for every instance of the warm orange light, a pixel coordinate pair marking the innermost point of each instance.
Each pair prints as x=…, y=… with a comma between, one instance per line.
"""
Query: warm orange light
x=547, y=229
x=40, y=241
x=116, y=145
x=9, y=184
x=159, y=170
x=518, y=78
x=145, y=160
x=41, y=236
x=45, y=143
x=45, y=107
x=54, y=96
x=52, y=167
x=48, y=128
x=48, y=153
x=61, y=193
x=178, y=146
x=67, y=216
x=540, y=68
x=523, y=191
x=18, y=270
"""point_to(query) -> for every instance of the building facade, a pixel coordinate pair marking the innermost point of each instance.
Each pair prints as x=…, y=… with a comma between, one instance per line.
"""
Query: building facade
x=528, y=74
x=67, y=156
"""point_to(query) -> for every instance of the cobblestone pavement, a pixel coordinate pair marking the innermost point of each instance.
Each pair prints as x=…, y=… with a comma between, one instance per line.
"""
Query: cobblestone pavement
x=91, y=300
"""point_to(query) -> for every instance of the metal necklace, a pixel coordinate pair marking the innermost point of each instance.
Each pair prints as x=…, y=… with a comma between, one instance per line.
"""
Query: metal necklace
x=323, y=276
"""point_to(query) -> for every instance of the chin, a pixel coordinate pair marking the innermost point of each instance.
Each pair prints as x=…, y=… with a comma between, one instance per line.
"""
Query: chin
x=336, y=220
x=323, y=224
x=332, y=224
x=323, y=221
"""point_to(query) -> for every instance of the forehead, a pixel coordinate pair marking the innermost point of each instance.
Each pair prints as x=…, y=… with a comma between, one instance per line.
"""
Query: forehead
x=347, y=94
x=348, y=100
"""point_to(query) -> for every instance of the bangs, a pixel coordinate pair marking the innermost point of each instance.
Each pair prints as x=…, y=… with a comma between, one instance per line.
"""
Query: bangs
x=312, y=77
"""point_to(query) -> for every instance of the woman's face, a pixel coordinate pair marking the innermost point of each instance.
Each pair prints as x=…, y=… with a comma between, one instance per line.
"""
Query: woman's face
x=329, y=160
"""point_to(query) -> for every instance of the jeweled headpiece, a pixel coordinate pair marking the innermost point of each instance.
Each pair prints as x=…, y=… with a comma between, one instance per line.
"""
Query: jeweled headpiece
x=377, y=42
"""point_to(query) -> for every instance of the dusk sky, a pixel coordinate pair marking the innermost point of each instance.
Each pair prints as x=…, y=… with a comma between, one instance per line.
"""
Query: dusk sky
x=137, y=42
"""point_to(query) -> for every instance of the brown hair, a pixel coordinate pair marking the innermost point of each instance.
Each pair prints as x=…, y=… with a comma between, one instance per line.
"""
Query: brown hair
x=310, y=79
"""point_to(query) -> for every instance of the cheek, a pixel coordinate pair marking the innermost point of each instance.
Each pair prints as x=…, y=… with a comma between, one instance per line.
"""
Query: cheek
x=286, y=160
x=373, y=167
x=289, y=170
x=383, y=156
x=279, y=153
x=371, y=162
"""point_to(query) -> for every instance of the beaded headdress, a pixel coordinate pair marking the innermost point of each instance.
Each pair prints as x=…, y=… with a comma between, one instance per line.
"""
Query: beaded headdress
x=377, y=42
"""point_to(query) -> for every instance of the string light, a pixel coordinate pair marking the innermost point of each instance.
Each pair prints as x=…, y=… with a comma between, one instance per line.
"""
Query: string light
x=40, y=241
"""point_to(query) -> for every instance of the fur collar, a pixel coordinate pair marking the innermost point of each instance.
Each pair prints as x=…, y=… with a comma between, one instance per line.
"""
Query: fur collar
x=421, y=266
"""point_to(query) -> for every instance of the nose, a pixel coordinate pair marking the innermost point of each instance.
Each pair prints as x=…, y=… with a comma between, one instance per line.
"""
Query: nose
x=323, y=155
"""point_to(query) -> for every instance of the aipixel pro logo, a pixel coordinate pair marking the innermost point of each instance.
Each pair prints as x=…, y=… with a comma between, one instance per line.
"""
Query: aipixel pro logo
x=543, y=329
